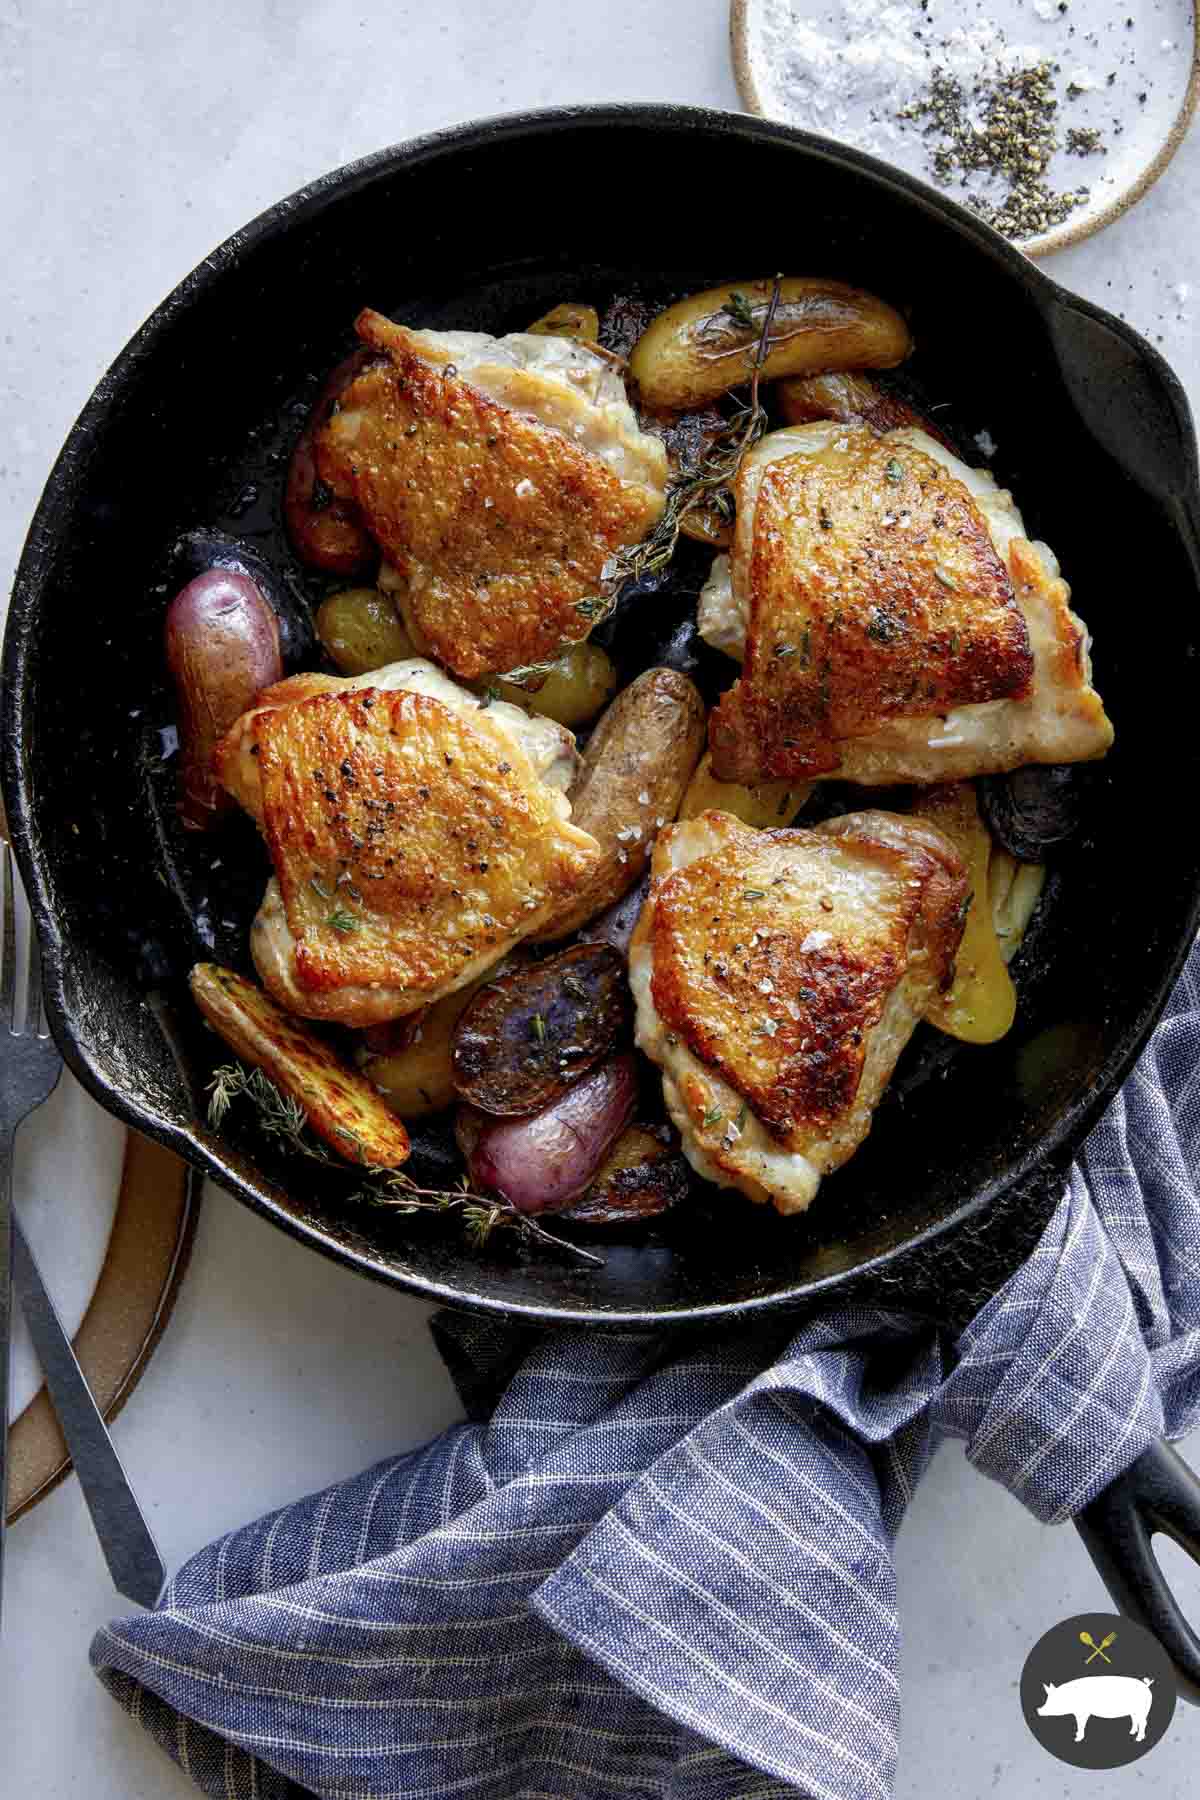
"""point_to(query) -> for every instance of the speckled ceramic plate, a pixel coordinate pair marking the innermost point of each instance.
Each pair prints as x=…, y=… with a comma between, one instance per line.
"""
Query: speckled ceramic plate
x=135, y=1291
x=1125, y=80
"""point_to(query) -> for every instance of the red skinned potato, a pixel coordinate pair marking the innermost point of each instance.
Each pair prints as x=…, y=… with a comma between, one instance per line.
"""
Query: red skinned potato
x=525, y=1038
x=542, y=1163
x=327, y=531
x=222, y=648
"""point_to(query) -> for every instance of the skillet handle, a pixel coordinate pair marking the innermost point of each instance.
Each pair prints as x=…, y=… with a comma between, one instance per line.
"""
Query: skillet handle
x=1159, y=1492
x=1129, y=398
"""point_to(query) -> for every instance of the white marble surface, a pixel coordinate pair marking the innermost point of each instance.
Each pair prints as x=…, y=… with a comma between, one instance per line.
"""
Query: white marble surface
x=135, y=137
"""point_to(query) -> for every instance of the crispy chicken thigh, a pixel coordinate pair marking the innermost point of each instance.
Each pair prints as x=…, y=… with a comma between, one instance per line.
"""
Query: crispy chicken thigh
x=895, y=623
x=417, y=835
x=500, y=477
x=777, y=976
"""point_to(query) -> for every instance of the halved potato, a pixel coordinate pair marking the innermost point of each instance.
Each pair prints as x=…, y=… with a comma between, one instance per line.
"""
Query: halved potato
x=569, y=319
x=701, y=346
x=340, y=1106
x=981, y=1003
x=770, y=803
x=419, y=1079
x=1016, y=888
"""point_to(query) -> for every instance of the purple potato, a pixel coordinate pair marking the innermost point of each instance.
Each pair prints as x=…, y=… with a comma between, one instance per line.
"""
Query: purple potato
x=222, y=648
x=326, y=529
x=524, y=1039
x=201, y=550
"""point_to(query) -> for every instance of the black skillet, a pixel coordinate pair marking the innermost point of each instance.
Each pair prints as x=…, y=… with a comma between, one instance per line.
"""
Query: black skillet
x=486, y=226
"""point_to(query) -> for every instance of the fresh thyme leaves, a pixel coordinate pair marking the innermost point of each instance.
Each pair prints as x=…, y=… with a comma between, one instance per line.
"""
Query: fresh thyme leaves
x=340, y=920
x=319, y=887
x=537, y=1026
x=528, y=675
x=894, y=470
x=708, y=481
x=754, y=894
x=713, y=1116
x=785, y=650
x=283, y=1119
x=481, y=1214
x=946, y=580
x=737, y=307
x=591, y=609
x=279, y=1116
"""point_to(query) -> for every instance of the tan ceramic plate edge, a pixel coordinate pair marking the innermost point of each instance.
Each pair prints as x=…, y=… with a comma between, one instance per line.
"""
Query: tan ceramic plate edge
x=1070, y=232
x=135, y=1292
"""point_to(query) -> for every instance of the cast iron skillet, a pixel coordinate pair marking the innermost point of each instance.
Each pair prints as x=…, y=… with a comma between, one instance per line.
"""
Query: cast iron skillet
x=487, y=226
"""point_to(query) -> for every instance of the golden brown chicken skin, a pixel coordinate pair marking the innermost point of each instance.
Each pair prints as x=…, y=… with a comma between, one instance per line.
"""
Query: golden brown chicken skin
x=875, y=593
x=501, y=524
x=778, y=975
x=413, y=844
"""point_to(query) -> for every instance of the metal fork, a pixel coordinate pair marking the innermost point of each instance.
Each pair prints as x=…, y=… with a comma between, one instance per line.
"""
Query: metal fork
x=31, y=1067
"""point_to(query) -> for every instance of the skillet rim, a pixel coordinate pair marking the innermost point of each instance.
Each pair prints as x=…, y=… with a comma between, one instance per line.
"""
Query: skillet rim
x=47, y=525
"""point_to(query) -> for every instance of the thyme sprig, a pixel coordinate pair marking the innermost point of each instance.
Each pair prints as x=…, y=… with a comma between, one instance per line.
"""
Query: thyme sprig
x=708, y=481
x=284, y=1120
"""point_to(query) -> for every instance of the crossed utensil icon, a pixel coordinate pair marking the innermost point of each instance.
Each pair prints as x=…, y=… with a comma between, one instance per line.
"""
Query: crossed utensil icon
x=1098, y=1649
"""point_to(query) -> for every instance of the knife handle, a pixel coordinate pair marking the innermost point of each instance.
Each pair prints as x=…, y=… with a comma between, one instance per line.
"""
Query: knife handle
x=125, y=1538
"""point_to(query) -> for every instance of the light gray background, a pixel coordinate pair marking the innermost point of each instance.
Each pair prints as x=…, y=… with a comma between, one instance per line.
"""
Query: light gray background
x=135, y=137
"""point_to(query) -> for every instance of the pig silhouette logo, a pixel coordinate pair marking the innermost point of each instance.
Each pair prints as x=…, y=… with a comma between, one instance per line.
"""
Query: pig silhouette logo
x=1097, y=1691
x=1100, y=1697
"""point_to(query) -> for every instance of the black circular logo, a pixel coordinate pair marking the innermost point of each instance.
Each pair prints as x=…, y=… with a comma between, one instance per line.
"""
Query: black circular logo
x=1097, y=1691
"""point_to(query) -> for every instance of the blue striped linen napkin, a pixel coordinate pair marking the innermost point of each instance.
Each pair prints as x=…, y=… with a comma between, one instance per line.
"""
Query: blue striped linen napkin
x=664, y=1571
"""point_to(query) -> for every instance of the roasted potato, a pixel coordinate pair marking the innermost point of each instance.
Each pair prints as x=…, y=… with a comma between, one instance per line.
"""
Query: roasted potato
x=853, y=399
x=340, y=1106
x=981, y=1003
x=635, y=770
x=580, y=684
x=361, y=630
x=1015, y=887
x=326, y=530
x=703, y=345
x=525, y=1038
x=643, y=1174
x=569, y=319
x=542, y=1162
x=770, y=803
x=222, y=648
x=418, y=1079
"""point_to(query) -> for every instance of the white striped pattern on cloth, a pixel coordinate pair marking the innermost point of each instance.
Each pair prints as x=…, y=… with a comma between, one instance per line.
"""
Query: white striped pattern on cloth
x=663, y=1574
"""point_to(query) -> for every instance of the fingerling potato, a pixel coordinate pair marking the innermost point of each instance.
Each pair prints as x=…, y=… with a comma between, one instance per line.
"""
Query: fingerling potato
x=339, y=1105
x=1015, y=887
x=361, y=631
x=853, y=399
x=326, y=529
x=703, y=345
x=222, y=648
x=635, y=770
x=569, y=319
x=981, y=1002
x=770, y=803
